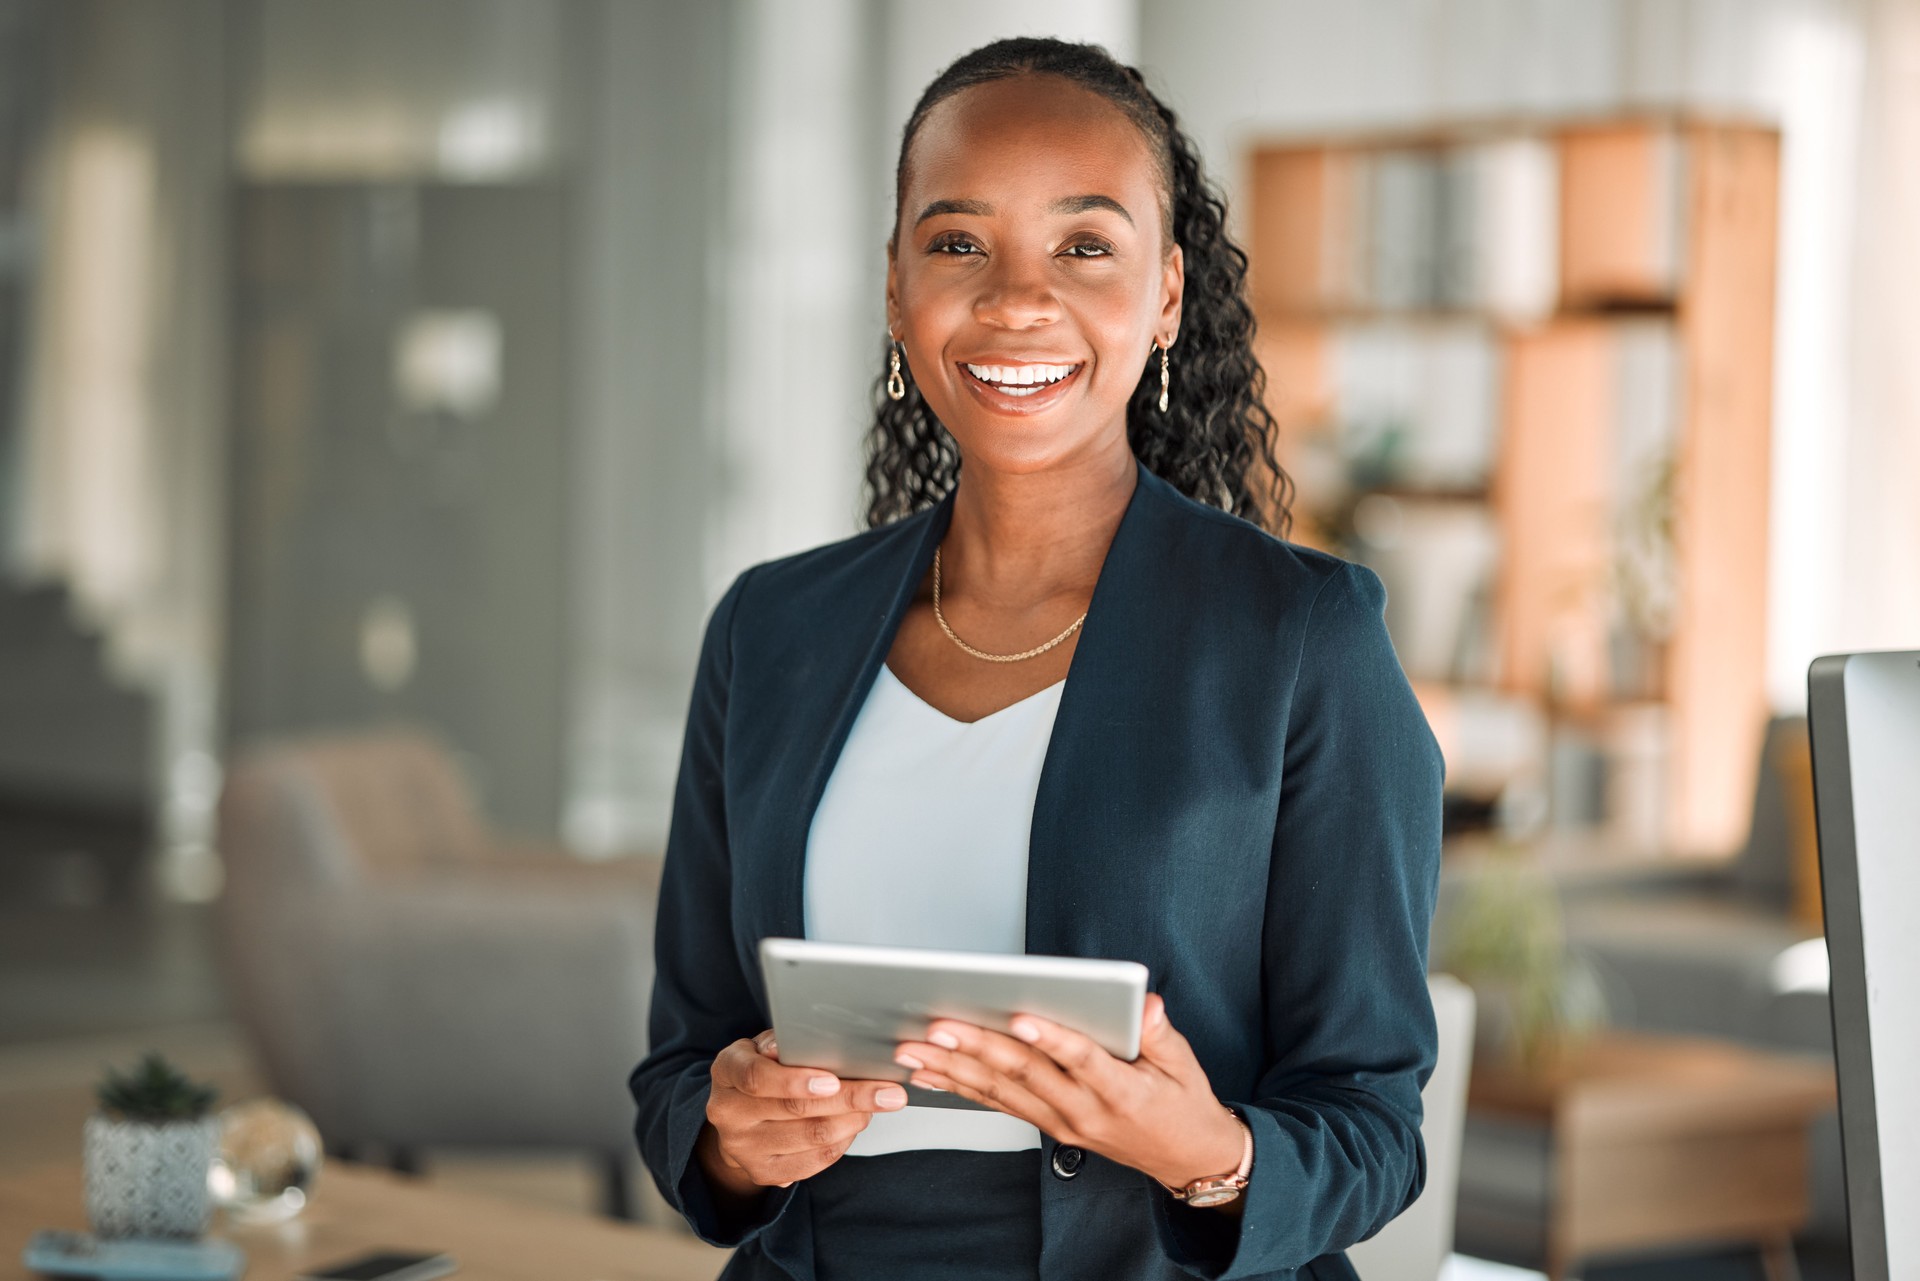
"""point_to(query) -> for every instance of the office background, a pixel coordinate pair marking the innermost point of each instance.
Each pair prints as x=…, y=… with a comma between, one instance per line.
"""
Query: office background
x=442, y=362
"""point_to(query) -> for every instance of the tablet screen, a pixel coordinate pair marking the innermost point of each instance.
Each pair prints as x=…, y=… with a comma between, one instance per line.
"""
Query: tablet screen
x=845, y=1007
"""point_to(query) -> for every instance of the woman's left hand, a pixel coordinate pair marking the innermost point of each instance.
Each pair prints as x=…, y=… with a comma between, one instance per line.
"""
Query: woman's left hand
x=1157, y=1114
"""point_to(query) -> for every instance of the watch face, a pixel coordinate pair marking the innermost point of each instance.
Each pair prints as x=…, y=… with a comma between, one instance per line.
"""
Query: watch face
x=1213, y=1196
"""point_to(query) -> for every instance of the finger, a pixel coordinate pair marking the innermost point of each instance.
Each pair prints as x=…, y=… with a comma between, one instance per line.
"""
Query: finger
x=782, y=1101
x=1082, y=1058
x=765, y=1044
x=873, y=1096
x=742, y=1067
x=810, y=1134
x=855, y=1096
x=997, y=1093
x=963, y=1074
x=786, y=1169
x=1013, y=1058
x=1161, y=1044
x=880, y=1096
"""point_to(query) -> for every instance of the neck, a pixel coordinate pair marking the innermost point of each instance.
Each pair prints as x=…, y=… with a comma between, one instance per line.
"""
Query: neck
x=1018, y=538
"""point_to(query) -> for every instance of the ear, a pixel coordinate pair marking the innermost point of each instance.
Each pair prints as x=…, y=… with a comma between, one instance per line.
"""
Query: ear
x=1173, y=288
x=893, y=290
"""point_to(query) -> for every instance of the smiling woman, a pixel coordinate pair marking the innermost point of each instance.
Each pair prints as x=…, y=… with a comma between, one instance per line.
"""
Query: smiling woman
x=1213, y=438
x=1071, y=695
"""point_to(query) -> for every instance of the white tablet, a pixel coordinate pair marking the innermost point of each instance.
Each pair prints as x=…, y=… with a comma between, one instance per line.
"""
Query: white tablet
x=845, y=1007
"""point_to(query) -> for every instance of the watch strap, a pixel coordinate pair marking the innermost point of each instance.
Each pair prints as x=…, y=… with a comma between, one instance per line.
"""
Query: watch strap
x=1217, y=1189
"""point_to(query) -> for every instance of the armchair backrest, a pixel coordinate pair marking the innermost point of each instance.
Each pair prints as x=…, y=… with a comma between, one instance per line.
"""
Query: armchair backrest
x=341, y=807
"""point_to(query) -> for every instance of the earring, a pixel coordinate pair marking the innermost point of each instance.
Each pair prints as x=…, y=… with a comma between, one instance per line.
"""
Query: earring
x=896, y=385
x=1165, y=378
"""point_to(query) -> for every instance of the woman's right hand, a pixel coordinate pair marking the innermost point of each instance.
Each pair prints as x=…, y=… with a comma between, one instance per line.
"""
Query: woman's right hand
x=769, y=1125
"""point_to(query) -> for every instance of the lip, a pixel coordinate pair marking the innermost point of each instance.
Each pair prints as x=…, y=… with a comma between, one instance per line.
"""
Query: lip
x=1000, y=402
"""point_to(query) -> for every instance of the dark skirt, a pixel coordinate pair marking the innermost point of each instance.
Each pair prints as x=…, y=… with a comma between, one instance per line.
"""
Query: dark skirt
x=933, y=1215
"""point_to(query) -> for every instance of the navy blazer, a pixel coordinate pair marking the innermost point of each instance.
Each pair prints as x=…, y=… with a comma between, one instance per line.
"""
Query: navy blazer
x=1240, y=792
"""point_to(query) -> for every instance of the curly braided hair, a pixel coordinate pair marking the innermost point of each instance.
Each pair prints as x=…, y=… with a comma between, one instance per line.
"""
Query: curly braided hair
x=1216, y=437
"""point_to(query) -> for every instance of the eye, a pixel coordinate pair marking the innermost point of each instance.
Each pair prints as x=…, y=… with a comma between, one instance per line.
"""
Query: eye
x=953, y=243
x=1091, y=247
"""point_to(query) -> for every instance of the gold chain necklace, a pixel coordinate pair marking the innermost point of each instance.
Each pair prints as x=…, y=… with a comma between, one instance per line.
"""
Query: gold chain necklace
x=992, y=658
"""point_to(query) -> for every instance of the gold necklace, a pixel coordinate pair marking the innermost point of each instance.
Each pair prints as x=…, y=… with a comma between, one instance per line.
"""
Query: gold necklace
x=992, y=658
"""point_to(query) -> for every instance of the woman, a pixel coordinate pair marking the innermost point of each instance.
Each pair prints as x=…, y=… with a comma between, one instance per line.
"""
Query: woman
x=1064, y=697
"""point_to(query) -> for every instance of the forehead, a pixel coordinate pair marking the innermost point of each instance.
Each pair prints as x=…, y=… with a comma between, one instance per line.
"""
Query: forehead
x=1037, y=136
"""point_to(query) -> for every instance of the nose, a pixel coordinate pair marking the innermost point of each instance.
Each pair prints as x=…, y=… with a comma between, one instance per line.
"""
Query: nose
x=1015, y=295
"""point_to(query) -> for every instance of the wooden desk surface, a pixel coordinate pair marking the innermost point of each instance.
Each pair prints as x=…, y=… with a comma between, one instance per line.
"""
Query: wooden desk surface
x=357, y=1207
x=1662, y=1142
x=1630, y=1083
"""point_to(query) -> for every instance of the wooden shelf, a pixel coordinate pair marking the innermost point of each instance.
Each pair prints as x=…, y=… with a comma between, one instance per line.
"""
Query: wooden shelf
x=1594, y=309
x=1659, y=241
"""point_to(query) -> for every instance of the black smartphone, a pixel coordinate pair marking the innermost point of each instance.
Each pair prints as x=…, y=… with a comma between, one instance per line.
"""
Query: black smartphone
x=384, y=1265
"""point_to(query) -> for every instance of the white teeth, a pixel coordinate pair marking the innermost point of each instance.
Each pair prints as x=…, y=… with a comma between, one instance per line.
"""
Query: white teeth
x=1010, y=377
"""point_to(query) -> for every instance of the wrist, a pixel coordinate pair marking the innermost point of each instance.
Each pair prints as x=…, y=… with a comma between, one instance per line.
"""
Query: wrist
x=1222, y=1186
x=728, y=1175
x=1222, y=1141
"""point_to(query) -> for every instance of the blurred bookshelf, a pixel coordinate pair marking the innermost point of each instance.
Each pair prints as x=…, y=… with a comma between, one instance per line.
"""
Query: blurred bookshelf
x=1524, y=370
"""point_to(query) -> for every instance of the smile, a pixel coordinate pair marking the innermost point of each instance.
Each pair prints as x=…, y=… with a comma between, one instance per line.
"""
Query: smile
x=1019, y=382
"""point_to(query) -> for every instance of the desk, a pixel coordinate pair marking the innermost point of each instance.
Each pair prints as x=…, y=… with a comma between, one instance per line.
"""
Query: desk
x=1666, y=1141
x=357, y=1207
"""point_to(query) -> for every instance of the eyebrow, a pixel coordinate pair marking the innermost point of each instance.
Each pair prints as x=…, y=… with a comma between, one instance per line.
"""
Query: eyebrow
x=975, y=208
x=1064, y=205
x=1086, y=204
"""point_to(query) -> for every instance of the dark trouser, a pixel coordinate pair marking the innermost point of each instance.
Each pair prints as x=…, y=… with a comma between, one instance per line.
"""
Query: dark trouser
x=929, y=1215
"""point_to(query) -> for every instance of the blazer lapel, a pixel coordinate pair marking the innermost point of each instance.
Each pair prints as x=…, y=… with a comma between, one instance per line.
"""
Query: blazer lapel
x=874, y=602
x=1085, y=851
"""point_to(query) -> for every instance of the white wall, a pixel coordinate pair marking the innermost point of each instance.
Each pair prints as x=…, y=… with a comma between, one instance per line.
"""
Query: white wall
x=803, y=274
x=648, y=475
x=1874, y=598
x=920, y=37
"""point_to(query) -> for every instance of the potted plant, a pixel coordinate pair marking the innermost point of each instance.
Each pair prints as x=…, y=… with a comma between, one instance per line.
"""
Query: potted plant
x=1502, y=933
x=147, y=1153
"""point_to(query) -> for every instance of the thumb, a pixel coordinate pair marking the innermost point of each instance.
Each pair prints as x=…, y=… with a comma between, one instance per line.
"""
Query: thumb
x=1159, y=1042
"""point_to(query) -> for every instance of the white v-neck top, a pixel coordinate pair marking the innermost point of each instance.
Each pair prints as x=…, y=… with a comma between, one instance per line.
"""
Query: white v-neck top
x=920, y=840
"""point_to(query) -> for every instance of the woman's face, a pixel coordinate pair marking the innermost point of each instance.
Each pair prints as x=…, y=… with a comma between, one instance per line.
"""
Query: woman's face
x=1030, y=272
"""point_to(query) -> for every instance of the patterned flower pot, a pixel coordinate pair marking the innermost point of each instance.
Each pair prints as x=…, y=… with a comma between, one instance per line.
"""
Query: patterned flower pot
x=149, y=1179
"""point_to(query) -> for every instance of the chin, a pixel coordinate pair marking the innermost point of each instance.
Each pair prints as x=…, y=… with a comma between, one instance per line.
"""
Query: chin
x=1021, y=449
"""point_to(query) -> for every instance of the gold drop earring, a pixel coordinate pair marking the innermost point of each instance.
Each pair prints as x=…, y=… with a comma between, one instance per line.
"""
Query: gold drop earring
x=896, y=385
x=1165, y=377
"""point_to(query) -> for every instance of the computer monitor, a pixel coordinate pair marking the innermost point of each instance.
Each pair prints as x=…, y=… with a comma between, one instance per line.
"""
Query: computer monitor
x=1864, y=714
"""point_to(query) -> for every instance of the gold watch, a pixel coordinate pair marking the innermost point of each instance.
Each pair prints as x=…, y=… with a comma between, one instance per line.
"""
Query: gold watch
x=1218, y=1189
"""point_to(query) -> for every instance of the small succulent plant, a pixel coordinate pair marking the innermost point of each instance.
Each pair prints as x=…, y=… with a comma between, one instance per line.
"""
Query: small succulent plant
x=154, y=1092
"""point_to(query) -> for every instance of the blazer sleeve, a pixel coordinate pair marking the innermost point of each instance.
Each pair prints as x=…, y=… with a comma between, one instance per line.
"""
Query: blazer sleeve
x=701, y=1001
x=1351, y=1038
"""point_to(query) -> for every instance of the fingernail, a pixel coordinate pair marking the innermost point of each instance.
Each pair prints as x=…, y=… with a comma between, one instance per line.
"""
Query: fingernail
x=945, y=1040
x=891, y=1097
x=824, y=1085
x=1025, y=1030
x=908, y=1061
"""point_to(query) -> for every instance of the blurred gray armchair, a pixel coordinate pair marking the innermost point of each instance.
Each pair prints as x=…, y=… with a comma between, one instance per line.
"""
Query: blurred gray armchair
x=412, y=982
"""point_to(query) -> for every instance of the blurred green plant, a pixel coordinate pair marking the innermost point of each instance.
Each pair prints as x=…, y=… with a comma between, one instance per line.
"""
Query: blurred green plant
x=154, y=1092
x=1504, y=936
